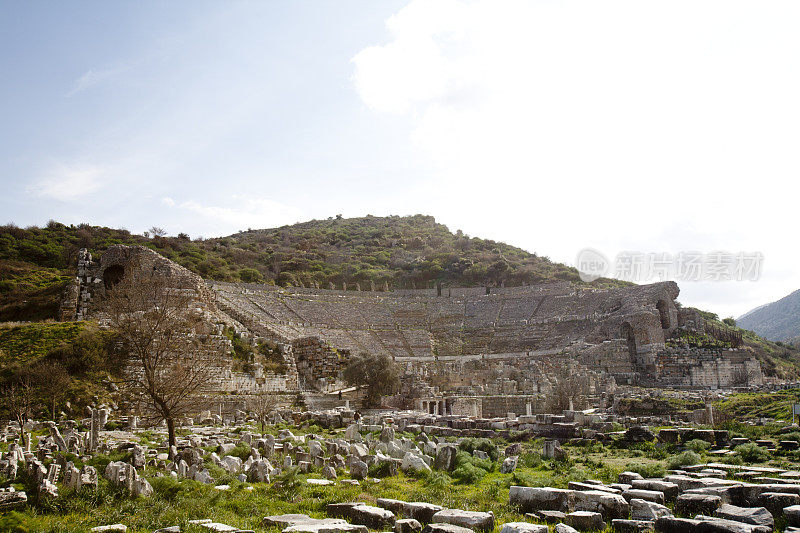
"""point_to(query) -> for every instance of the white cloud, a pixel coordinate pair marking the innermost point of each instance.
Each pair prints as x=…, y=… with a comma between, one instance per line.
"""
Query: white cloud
x=619, y=125
x=241, y=212
x=67, y=183
x=91, y=78
x=167, y=201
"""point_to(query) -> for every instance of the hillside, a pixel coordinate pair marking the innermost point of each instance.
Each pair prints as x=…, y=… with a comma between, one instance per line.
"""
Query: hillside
x=403, y=252
x=776, y=321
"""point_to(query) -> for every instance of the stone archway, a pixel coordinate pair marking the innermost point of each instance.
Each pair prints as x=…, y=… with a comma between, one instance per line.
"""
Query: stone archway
x=626, y=331
x=663, y=313
x=112, y=275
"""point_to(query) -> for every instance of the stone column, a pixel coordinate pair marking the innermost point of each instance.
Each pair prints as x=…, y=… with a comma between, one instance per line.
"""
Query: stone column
x=549, y=449
x=59, y=440
x=99, y=419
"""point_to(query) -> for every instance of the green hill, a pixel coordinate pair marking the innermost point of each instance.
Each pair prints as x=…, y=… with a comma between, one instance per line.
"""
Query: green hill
x=405, y=252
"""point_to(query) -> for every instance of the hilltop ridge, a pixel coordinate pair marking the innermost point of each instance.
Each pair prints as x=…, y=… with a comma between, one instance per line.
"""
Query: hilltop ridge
x=776, y=321
x=401, y=252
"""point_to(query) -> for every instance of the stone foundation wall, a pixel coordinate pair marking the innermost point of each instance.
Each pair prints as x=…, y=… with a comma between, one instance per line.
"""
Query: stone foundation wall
x=319, y=365
x=500, y=406
x=696, y=368
x=468, y=342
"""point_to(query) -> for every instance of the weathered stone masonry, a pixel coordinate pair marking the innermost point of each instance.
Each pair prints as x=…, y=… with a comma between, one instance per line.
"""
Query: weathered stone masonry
x=461, y=342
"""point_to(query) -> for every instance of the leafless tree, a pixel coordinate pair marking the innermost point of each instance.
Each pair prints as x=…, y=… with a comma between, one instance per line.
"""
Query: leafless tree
x=18, y=400
x=262, y=406
x=50, y=381
x=167, y=363
x=156, y=231
x=570, y=389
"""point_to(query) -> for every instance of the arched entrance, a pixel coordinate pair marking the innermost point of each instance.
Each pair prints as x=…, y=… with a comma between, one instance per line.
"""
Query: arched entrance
x=113, y=275
x=626, y=331
x=663, y=313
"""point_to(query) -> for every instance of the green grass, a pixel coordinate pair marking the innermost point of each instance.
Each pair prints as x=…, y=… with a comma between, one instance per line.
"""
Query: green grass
x=27, y=342
x=760, y=404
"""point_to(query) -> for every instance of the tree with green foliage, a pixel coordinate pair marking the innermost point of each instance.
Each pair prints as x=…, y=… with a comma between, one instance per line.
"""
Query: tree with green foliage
x=250, y=275
x=377, y=374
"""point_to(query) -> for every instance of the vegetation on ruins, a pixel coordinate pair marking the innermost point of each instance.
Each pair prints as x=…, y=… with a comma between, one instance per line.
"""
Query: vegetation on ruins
x=166, y=367
x=265, y=352
x=377, y=374
x=403, y=252
x=776, y=358
x=62, y=364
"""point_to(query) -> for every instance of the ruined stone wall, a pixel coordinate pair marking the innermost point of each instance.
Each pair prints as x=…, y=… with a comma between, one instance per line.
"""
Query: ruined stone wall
x=501, y=342
x=419, y=324
x=501, y=406
x=319, y=365
x=682, y=367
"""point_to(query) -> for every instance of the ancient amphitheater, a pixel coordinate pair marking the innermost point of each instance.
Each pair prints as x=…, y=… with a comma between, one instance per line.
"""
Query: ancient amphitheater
x=463, y=350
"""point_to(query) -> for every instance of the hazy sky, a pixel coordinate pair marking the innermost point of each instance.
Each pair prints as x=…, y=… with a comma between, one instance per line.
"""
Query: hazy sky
x=554, y=126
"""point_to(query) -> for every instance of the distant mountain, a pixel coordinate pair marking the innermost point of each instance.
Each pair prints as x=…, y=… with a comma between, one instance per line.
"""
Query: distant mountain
x=777, y=321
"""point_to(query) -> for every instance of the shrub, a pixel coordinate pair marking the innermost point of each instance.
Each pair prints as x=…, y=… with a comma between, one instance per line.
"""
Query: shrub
x=752, y=453
x=242, y=451
x=13, y=522
x=523, y=479
x=438, y=481
x=793, y=435
x=168, y=488
x=683, y=459
x=470, y=469
x=380, y=469
x=530, y=460
x=485, y=445
x=250, y=275
x=698, y=445
x=646, y=469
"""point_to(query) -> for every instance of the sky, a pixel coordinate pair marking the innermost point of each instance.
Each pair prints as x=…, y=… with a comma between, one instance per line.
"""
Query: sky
x=620, y=126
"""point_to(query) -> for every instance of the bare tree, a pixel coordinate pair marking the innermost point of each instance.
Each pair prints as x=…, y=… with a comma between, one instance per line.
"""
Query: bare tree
x=570, y=387
x=50, y=380
x=262, y=406
x=18, y=400
x=167, y=364
x=156, y=231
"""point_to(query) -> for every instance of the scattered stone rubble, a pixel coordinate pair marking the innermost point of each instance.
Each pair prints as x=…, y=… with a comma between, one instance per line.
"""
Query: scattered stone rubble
x=706, y=497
